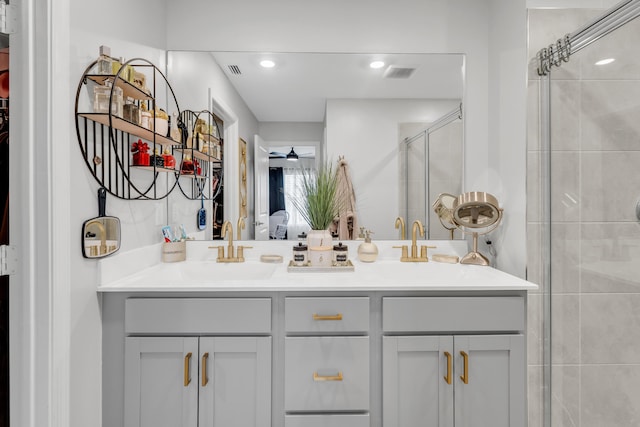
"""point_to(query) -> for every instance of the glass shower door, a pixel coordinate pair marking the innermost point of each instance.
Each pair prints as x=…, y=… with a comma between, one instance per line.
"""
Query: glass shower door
x=594, y=252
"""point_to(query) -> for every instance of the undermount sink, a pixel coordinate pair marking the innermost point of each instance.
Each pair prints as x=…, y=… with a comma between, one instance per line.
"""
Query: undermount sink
x=211, y=271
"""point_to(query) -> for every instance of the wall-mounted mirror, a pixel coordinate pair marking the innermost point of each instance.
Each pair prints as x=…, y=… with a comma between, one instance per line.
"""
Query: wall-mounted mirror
x=100, y=235
x=342, y=104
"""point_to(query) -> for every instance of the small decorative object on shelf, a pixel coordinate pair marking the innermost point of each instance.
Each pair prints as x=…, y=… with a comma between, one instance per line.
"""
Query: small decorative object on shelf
x=161, y=122
x=145, y=117
x=140, y=153
x=131, y=112
x=169, y=160
x=104, y=61
x=102, y=97
x=175, y=130
x=186, y=168
x=156, y=160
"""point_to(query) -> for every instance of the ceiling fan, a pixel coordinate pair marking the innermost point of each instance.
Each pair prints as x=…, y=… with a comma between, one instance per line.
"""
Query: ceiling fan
x=294, y=154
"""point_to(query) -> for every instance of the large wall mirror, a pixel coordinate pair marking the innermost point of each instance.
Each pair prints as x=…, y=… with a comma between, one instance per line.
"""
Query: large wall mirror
x=399, y=125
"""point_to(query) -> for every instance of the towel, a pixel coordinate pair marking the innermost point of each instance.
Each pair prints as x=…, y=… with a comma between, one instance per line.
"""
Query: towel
x=346, y=222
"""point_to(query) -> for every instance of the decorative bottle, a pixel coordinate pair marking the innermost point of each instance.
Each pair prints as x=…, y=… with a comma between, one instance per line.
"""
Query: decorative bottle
x=367, y=251
x=104, y=61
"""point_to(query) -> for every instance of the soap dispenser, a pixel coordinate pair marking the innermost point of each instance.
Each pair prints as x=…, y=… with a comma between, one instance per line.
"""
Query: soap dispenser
x=367, y=251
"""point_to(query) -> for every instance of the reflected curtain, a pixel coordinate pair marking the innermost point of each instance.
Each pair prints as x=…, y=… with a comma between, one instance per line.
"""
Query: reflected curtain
x=276, y=190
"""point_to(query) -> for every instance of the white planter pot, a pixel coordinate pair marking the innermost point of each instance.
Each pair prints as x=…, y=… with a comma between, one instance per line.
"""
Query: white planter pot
x=320, y=244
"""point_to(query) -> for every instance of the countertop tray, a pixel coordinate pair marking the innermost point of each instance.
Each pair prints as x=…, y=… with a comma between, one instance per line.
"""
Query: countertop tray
x=292, y=268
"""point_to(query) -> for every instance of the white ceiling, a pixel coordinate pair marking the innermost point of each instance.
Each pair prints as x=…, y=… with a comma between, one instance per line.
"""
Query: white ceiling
x=297, y=88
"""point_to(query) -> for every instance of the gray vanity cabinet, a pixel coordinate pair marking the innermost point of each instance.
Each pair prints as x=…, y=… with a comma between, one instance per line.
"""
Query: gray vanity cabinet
x=458, y=379
x=198, y=381
x=327, y=371
x=155, y=389
x=316, y=359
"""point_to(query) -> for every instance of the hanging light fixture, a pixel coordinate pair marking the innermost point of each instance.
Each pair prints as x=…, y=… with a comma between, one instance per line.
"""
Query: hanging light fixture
x=292, y=156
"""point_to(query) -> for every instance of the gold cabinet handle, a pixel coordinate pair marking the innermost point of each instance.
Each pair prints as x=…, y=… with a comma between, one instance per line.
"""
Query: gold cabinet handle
x=187, y=365
x=465, y=373
x=449, y=367
x=317, y=377
x=320, y=317
x=205, y=380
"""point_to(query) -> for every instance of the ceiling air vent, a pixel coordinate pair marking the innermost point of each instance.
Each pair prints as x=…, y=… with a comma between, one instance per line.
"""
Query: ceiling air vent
x=394, y=72
x=234, y=69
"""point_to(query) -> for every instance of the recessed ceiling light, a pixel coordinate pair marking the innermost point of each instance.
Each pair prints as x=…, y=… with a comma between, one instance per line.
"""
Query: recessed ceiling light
x=377, y=64
x=267, y=63
x=605, y=61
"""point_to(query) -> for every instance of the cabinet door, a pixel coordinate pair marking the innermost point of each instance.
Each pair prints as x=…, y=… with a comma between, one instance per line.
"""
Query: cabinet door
x=235, y=382
x=491, y=390
x=161, y=388
x=415, y=390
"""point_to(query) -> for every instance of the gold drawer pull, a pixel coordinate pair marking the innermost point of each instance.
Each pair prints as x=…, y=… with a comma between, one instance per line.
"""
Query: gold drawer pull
x=321, y=317
x=465, y=374
x=187, y=366
x=317, y=377
x=205, y=380
x=449, y=367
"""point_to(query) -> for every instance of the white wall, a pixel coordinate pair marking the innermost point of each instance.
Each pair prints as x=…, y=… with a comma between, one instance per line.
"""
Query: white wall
x=93, y=25
x=365, y=132
x=578, y=4
x=506, y=173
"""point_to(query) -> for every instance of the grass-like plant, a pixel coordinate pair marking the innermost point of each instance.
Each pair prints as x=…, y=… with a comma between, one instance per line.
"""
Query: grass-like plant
x=318, y=199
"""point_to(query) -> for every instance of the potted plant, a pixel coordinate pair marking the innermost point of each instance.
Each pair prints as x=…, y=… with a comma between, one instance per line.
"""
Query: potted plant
x=318, y=201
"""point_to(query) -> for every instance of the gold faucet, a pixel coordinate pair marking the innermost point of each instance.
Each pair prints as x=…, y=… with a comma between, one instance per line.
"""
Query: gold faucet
x=103, y=236
x=240, y=227
x=415, y=230
x=227, y=228
x=417, y=227
x=400, y=224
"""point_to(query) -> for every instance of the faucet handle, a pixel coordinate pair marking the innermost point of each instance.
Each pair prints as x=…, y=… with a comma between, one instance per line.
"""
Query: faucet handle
x=240, y=252
x=405, y=250
x=423, y=251
x=220, y=251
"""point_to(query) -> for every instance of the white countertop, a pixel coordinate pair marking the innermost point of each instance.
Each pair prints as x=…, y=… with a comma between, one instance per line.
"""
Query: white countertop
x=141, y=271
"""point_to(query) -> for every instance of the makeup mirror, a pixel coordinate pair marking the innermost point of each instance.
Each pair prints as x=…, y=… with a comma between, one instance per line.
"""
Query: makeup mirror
x=100, y=235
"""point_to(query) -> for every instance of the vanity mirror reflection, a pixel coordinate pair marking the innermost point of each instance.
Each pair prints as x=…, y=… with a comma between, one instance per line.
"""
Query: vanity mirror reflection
x=337, y=104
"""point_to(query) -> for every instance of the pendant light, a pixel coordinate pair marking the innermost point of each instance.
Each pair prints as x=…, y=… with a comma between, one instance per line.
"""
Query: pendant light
x=292, y=156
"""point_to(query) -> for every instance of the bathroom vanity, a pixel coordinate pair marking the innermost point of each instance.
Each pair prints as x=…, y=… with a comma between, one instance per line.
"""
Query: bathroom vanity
x=391, y=344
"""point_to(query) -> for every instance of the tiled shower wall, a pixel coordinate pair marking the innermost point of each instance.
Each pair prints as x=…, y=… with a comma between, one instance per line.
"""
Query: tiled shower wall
x=595, y=243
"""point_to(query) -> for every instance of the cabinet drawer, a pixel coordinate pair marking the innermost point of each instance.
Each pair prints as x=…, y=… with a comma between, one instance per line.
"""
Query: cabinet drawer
x=326, y=374
x=452, y=314
x=197, y=315
x=347, y=314
x=333, y=420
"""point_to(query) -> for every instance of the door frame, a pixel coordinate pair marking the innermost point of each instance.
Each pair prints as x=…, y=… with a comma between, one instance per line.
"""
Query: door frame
x=40, y=327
